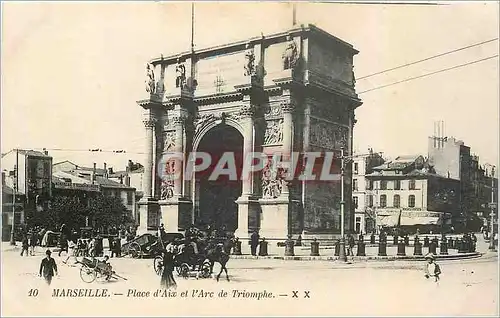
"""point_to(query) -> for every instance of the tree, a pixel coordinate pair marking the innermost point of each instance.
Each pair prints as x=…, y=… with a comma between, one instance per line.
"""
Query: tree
x=105, y=211
x=63, y=209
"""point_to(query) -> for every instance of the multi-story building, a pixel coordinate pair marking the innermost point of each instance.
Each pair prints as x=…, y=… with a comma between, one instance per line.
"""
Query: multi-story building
x=451, y=158
x=408, y=194
x=99, y=178
x=361, y=166
x=30, y=173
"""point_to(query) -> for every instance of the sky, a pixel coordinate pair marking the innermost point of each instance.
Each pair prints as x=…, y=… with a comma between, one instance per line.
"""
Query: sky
x=72, y=72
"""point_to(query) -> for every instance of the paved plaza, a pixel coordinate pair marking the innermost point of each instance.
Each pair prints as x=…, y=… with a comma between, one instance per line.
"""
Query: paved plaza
x=467, y=287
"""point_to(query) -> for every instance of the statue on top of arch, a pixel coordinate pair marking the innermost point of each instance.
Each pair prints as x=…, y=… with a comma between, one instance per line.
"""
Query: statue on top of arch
x=291, y=55
x=150, y=79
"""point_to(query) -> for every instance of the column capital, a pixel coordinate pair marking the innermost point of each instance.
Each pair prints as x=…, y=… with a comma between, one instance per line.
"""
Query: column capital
x=247, y=110
x=288, y=106
x=149, y=122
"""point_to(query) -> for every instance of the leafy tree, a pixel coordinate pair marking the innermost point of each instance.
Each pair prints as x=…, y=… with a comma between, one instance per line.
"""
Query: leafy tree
x=63, y=209
x=105, y=211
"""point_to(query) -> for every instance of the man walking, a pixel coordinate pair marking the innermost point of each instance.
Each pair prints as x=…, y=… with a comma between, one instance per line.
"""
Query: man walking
x=48, y=268
x=24, y=245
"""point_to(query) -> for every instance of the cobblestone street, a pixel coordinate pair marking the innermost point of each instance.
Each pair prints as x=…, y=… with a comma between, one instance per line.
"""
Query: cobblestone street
x=467, y=287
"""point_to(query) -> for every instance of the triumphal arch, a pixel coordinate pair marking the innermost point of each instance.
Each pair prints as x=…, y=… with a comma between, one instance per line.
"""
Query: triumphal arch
x=291, y=92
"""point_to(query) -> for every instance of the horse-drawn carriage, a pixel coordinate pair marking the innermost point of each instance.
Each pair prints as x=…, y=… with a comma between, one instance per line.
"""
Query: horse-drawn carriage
x=187, y=262
x=92, y=269
x=148, y=245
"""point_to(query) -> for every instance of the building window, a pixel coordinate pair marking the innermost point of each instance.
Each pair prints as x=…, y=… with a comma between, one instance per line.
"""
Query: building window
x=369, y=185
x=383, y=184
x=383, y=201
x=358, y=219
x=356, y=167
x=130, y=198
x=397, y=201
x=412, y=185
x=370, y=201
x=397, y=184
x=355, y=202
x=355, y=184
x=411, y=201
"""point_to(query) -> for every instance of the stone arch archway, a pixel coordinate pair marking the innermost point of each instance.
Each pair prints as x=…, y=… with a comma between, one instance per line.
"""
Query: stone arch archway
x=215, y=200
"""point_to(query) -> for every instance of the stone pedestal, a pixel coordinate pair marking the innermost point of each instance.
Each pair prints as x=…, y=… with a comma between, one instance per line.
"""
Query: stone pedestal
x=176, y=214
x=147, y=207
x=274, y=220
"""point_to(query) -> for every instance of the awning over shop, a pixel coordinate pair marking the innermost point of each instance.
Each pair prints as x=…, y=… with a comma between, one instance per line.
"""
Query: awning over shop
x=388, y=219
x=421, y=218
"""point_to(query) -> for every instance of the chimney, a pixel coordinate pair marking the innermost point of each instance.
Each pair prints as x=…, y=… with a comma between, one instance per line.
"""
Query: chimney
x=45, y=152
x=105, y=171
x=121, y=179
x=110, y=171
x=127, y=180
x=92, y=177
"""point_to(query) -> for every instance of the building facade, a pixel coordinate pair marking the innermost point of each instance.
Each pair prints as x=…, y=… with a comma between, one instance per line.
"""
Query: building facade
x=29, y=173
x=286, y=92
x=406, y=193
x=361, y=166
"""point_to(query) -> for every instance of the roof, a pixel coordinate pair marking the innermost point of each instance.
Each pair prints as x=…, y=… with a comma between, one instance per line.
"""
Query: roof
x=29, y=152
x=406, y=158
x=61, y=175
x=65, y=161
x=107, y=183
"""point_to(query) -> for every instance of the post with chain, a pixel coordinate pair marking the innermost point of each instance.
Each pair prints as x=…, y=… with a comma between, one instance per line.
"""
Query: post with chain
x=492, y=216
x=342, y=253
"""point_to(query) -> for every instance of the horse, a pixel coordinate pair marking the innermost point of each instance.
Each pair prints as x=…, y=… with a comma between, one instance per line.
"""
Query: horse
x=219, y=253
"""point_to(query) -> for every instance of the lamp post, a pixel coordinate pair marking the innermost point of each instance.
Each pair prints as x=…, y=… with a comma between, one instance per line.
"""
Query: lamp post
x=342, y=254
x=12, y=237
x=492, y=205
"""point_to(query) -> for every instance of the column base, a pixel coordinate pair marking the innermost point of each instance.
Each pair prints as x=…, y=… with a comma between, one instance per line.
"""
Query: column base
x=148, y=207
x=176, y=214
x=247, y=205
x=274, y=222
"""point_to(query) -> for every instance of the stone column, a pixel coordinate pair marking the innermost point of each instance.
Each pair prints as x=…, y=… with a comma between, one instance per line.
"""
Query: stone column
x=288, y=126
x=149, y=124
x=247, y=122
x=179, y=149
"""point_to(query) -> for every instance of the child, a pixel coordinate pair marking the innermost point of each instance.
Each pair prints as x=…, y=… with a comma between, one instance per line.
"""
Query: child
x=431, y=268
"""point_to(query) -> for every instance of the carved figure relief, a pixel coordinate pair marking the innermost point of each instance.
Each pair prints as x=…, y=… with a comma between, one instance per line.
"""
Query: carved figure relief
x=328, y=135
x=167, y=183
x=274, y=132
x=180, y=71
x=249, y=61
x=272, y=181
x=150, y=79
x=291, y=54
x=169, y=141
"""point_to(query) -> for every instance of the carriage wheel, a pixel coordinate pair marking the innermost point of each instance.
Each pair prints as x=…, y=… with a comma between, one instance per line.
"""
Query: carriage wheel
x=87, y=274
x=205, y=270
x=135, y=250
x=158, y=265
x=184, y=270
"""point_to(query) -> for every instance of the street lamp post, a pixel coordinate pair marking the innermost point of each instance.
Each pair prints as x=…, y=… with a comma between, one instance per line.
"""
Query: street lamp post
x=12, y=236
x=492, y=216
x=342, y=254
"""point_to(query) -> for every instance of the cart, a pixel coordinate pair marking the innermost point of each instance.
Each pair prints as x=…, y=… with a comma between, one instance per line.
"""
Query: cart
x=92, y=269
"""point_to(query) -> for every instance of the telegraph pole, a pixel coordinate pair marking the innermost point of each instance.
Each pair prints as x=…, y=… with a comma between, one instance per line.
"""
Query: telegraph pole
x=492, y=205
x=12, y=236
x=342, y=255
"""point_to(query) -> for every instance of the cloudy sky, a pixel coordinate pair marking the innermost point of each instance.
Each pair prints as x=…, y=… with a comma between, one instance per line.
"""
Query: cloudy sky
x=72, y=72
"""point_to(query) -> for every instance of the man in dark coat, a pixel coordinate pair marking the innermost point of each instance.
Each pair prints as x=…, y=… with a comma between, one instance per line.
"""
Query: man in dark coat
x=24, y=245
x=48, y=268
x=254, y=242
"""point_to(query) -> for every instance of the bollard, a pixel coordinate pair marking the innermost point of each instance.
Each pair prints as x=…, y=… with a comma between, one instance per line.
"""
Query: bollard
x=361, y=248
x=382, y=248
x=416, y=240
x=337, y=248
x=436, y=241
x=432, y=247
x=361, y=238
x=401, y=248
x=456, y=244
x=443, y=248
x=450, y=242
x=315, y=247
x=395, y=240
x=460, y=246
x=417, y=247
x=372, y=239
x=263, y=247
x=426, y=241
x=237, y=247
x=289, y=246
x=407, y=240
